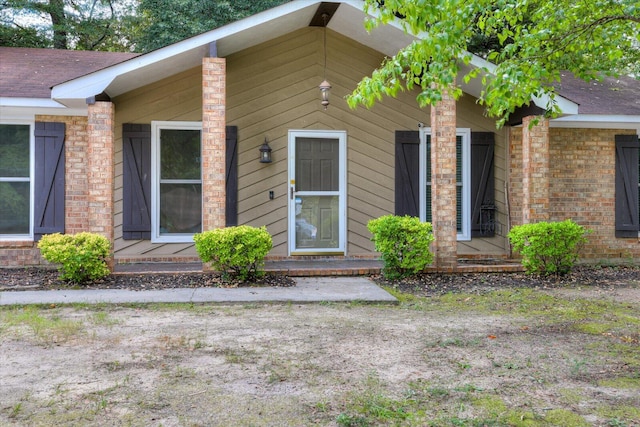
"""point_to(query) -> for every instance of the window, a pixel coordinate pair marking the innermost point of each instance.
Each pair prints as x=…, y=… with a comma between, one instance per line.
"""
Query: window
x=16, y=158
x=176, y=181
x=463, y=173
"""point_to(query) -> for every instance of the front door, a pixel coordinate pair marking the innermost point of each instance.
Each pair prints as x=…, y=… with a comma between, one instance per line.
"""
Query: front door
x=317, y=192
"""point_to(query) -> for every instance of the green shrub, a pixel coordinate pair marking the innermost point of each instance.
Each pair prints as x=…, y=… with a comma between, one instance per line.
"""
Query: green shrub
x=403, y=242
x=82, y=257
x=548, y=247
x=238, y=251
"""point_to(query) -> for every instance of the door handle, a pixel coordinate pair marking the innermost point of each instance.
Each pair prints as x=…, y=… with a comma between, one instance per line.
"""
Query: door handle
x=291, y=191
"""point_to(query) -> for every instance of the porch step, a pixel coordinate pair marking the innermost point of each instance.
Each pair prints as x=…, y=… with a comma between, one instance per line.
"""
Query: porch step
x=321, y=267
x=324, y=267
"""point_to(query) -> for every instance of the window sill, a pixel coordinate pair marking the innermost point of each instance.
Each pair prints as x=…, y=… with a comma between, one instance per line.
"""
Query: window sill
x=14, y=244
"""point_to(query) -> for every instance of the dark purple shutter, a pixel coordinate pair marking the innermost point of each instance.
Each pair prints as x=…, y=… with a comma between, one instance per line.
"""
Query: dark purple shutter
x=136, y=185
x=407, y=174
x=482, y=185
x=231, y=203
x=627, y=154
x=49, y=179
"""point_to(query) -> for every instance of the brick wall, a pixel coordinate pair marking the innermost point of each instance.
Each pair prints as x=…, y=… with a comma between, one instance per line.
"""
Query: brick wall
x=443, y=183
x=535, y=169
x=515, y=176
x=100, y=169
x=581, y=187
x=213, y=143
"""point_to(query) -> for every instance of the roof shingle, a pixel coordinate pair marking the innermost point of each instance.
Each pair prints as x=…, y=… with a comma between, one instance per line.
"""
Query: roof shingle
x=612, y=95
x=30, y=73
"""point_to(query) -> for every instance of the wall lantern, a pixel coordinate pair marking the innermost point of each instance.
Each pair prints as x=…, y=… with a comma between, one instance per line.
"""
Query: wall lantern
x=265, y=152
x=325, y=87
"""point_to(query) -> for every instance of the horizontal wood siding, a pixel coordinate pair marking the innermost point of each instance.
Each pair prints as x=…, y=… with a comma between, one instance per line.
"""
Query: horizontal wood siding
x=175, y=98
x=273, y=88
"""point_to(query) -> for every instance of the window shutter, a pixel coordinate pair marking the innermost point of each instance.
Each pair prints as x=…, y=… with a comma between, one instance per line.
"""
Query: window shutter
x=136, y=185
x=49, y=179
x=407, y=174
x=231, y=203
x=627, y=154
x=482, y=184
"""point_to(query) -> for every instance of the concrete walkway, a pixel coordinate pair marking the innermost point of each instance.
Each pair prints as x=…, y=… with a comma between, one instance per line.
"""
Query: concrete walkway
x=307, y=290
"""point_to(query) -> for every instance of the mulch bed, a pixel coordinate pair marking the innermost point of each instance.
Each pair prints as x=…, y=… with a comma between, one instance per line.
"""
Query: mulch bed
x=34, y=279
x=21, y=279
x=438, y=284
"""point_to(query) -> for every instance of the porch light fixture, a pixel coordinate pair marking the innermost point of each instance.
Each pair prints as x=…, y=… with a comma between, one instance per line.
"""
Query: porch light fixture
x=325, y=86
x=265, y=152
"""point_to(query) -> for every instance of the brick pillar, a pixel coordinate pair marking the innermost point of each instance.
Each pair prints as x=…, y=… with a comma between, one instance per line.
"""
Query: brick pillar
x=443, y=183
x=535, y=170
x=101, y=170
x=213, y=142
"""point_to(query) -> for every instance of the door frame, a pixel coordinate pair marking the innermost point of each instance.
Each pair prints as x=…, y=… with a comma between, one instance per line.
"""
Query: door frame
x=341, y=136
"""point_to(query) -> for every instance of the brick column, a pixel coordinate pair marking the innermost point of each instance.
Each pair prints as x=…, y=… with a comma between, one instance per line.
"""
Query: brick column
x=535, y=170
x=443, y=183
x=101, y=169
x=213, y=142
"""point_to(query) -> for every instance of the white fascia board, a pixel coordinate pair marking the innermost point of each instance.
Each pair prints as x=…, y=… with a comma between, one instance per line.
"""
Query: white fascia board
x=99, y=81
x=28, y=108
x=566, y=106
x=82, y=87
x=29, y=102
x=597, y=121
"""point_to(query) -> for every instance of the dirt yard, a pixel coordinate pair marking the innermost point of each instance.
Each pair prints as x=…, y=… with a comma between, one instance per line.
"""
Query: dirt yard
x=565, y=357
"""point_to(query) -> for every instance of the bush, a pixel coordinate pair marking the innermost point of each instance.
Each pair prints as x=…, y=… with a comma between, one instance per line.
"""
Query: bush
x=548, y=247
x=82, y=256
x=403, y=242
x=238, y=251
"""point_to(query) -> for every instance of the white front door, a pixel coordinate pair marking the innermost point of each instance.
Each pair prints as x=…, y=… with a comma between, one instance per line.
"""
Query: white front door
x=317, y=192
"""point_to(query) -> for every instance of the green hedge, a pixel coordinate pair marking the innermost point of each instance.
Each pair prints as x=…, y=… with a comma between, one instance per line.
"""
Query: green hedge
x=404, y=244
x=237, y=251
x=548, y=248
x=82, y=257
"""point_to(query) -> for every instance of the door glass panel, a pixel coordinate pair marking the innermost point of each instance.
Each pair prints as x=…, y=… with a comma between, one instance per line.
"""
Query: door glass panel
x=317, y=222
x=317, y=164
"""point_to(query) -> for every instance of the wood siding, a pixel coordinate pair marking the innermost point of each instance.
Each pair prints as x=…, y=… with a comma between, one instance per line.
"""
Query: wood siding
x=273, y=88
x=175, y=98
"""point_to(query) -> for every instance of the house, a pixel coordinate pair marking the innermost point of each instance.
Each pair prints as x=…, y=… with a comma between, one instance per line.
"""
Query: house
x=149, y=149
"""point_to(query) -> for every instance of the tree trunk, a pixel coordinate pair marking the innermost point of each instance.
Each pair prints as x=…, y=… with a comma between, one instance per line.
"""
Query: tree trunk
x=59, y=21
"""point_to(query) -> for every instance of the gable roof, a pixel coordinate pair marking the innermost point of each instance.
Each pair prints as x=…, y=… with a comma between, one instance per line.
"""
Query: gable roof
x=347, y=19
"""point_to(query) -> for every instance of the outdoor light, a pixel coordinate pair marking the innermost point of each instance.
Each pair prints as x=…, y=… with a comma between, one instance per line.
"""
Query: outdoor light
x=325, y=87
x=265, y=152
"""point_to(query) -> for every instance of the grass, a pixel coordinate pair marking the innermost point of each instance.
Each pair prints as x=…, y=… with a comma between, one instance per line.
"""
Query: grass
x=614, y=325
x=45, y=326
x=594, y=317
x=455, y=384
